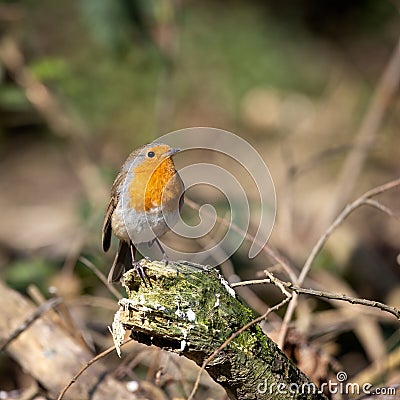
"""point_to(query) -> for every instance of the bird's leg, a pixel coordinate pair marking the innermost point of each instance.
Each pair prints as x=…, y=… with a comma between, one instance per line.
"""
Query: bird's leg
x=137, y=266
x=164, y=254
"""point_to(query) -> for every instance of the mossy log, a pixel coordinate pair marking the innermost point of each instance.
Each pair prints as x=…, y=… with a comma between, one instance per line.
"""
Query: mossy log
x=191, y=310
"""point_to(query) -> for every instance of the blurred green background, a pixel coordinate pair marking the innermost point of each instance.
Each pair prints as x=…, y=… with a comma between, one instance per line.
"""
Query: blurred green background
x=84, y=82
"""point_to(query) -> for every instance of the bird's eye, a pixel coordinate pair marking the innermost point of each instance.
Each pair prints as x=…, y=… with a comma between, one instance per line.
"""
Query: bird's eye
x=151, y=154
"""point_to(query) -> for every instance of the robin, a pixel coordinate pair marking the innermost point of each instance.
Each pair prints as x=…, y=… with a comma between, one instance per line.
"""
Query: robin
x=146, y=198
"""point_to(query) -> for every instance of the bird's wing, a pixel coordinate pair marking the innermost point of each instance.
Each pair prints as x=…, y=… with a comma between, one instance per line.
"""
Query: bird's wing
x=112, y=204
x=182, y=197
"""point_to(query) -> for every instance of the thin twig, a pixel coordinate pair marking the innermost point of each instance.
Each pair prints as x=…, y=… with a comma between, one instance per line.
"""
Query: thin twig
x=274, y=254
x=39, y=311
x=383, y=96
x=287, y=199
x=229, y=340
x=100, y=275
x=250, y=282
x=87, y=365
x=169, y=48
x=363, y=199
x=379, y=368
x=382, y=207
x=68, y=322
x=58, y=120
x=333, y=296
x=60, y=314
x=339, y=220
x=342, y=297
x=316, y=159
x=278, y=283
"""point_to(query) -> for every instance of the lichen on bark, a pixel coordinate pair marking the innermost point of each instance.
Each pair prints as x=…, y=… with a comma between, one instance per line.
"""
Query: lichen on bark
x=191, y=310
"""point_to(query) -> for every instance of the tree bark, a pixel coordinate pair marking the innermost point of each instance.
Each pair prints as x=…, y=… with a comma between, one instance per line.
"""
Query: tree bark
x=191, y=310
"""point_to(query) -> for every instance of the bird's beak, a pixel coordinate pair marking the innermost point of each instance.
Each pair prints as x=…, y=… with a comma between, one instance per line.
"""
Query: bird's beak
x=171, y=152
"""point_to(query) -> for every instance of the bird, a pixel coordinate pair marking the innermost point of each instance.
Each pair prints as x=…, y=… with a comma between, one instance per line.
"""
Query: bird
x=145, y=202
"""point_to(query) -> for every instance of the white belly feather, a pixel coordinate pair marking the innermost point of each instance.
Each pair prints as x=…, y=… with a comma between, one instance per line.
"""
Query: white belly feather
x=128, y=224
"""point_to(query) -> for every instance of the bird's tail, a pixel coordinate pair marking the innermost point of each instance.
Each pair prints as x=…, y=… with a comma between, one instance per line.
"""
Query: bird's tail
x=122, y=262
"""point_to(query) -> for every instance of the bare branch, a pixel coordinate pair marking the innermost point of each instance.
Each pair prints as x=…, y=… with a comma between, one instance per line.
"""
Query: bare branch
x=101, y=276
x=87, y=365
x=363, y=199
x=39, y=311
x=274, y=254
x=365, y=137
x=382, y=207
x=250, y=282
x=318, y=293
x=58, y=120
x=339, y=220
x=342, y=297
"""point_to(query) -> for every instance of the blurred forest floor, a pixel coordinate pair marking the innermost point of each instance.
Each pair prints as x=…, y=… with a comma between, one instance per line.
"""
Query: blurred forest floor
x=84, y=82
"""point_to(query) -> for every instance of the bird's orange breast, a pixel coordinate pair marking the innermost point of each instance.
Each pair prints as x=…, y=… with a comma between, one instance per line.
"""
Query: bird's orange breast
x=148, y=185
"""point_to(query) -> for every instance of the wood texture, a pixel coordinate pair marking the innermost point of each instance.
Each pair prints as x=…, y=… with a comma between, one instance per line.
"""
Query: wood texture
x=51, y=356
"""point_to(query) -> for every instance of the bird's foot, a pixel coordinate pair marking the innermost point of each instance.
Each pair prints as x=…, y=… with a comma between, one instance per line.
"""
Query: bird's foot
x=141, y=273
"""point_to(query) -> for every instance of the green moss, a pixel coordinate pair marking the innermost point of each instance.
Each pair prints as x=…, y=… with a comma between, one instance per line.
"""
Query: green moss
x=180, y=312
